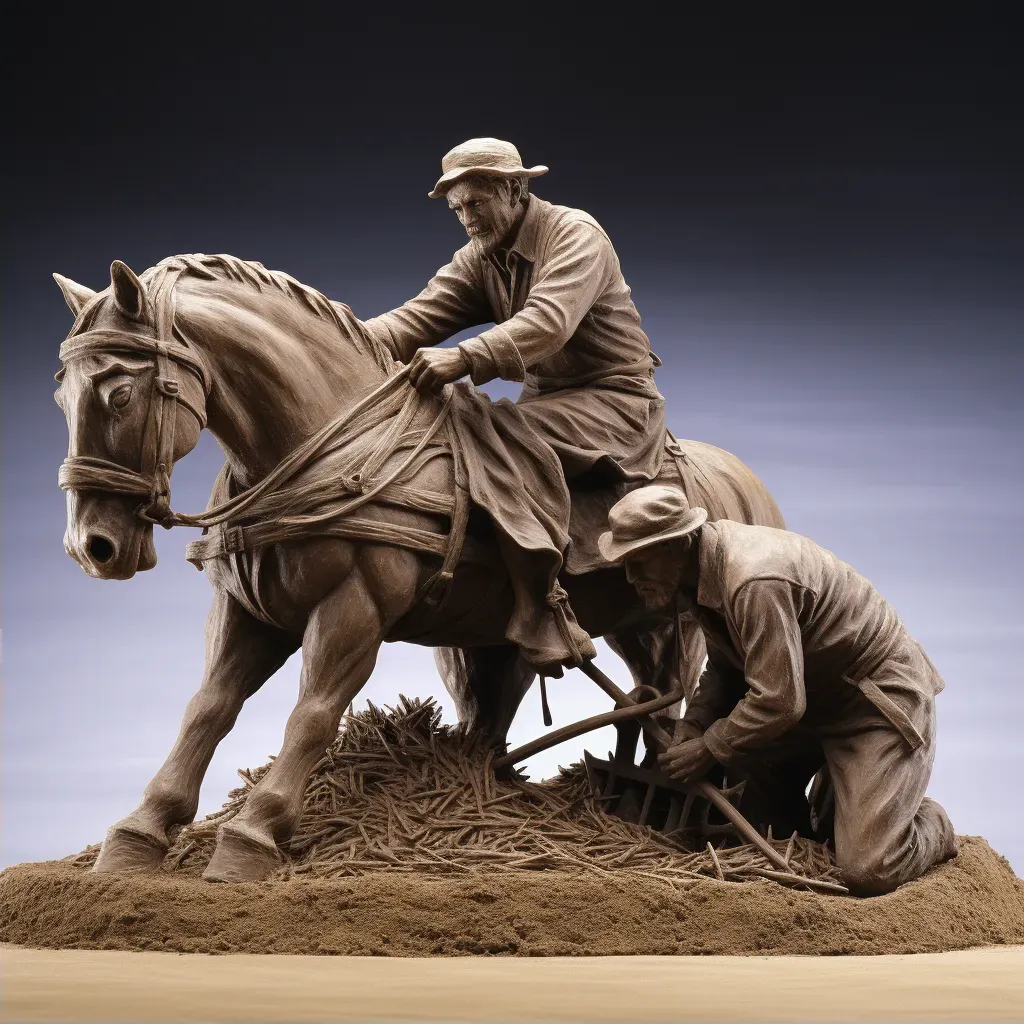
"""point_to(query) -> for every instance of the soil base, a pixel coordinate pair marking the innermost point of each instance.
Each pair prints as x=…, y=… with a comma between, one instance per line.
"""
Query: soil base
x=974, y=900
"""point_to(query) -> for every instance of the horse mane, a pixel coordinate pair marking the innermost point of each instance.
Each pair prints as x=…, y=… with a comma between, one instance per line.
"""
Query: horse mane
x=230, y=268
x=223, y=267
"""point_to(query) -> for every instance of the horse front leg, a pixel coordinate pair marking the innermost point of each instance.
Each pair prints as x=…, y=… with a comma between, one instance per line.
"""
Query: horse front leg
x=241, y=655
x=339, y=650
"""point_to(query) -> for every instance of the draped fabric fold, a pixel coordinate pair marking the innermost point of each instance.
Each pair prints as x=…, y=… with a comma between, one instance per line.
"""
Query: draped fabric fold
x=516, y=478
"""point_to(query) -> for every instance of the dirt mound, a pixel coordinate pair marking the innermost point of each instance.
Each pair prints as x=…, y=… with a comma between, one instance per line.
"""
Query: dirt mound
x=974, y=900
x=409, y=846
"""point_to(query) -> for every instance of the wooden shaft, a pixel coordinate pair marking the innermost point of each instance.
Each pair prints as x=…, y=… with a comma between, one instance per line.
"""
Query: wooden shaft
x=623, y=700
x=568, y=732
x=790, y=878
x=663, y=741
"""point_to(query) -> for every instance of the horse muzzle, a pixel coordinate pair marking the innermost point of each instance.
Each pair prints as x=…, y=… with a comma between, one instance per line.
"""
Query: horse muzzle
x=108, y=541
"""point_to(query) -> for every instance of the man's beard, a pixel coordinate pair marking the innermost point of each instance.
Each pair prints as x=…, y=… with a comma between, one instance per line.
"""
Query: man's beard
x=654, y=596
x=483, y=244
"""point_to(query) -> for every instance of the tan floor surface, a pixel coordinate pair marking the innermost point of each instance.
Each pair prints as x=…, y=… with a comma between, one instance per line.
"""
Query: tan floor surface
x=68, y=985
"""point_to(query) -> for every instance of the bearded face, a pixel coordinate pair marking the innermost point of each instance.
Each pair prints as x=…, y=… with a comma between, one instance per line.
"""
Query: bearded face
x=656, y=572
x=487, y=208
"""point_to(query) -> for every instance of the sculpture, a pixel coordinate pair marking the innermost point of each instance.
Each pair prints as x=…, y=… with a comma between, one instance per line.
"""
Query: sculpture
x=317, y=424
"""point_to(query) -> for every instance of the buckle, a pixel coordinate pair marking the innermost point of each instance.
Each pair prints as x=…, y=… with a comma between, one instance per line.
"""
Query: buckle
x=232, y=539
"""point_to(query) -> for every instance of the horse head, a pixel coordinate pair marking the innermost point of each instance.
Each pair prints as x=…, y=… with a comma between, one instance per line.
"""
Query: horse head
x=133, y=409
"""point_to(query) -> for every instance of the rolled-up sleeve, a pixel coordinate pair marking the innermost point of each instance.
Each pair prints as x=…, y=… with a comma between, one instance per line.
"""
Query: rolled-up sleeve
x=576, y=268
x=767, y=622
x=453, y=300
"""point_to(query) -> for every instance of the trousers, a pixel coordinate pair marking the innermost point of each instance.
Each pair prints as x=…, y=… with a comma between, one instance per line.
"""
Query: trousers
x=885, y=829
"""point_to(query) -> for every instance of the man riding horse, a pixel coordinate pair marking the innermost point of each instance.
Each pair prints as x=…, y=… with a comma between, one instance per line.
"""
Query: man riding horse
x=565, y=326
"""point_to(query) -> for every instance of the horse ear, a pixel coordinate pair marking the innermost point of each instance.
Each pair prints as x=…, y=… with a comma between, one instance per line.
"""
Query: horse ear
x=129, y=294
x=75, y=295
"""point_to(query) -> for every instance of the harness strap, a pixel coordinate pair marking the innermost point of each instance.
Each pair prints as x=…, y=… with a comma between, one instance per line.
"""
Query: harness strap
x=683, y=467
x=105, y=340
x=437, y=586
x=390, y=441
x=86, y=473
x=158, y=455
x=229, y=540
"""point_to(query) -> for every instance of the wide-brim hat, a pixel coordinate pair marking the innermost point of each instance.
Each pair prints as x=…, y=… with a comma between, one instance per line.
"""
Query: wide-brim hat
x=482, y=156
x=649, y=515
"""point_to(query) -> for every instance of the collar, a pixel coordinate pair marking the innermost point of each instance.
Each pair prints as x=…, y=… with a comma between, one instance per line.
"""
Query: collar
x=526, y=240
x=709, y=582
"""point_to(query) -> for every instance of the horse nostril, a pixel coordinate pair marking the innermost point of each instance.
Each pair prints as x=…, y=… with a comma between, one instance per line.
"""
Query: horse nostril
x=100, y=549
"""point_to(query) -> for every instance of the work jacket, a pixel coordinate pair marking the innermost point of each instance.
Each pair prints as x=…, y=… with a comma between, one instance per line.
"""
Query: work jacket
x=561, y=308
x=564, y=324
x=789, y=629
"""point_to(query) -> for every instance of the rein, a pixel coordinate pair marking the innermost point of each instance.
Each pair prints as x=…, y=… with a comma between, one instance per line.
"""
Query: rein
x=265, y=499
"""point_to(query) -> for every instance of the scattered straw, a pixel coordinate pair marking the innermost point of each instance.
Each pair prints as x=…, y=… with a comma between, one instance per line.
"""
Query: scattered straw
x=399, y=792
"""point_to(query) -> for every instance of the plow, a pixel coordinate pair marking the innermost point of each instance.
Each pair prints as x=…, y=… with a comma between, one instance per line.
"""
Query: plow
x=692, y=814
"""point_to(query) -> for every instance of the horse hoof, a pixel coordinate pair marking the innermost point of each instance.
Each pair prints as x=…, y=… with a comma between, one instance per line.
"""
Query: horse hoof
x=241, y=855
x=125, y=849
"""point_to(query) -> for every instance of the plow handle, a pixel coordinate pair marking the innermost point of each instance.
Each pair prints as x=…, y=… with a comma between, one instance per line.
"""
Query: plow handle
x=712, y=793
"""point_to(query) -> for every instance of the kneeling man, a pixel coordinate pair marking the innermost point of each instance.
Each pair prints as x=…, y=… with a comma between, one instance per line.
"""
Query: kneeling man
x=803, y=655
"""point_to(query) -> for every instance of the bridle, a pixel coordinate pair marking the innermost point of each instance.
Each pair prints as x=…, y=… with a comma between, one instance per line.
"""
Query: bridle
x=152, y=480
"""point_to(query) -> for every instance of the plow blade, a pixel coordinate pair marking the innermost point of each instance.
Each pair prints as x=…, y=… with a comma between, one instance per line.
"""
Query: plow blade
x=647, y=796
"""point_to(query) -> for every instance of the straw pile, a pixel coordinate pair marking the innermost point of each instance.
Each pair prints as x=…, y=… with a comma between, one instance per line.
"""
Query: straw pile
x=399, y=792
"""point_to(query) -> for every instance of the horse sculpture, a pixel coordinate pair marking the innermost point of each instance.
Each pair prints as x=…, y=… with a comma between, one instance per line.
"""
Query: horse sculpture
x=297, y=395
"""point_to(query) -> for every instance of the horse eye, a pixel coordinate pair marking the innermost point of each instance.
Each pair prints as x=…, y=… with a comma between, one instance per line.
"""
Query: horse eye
x=121, y=396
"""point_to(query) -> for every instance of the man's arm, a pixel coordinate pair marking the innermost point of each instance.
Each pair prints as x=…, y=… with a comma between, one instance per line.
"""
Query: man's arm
x=719, y=690
x=575, y=272
x=453, y=300
x=766, y=617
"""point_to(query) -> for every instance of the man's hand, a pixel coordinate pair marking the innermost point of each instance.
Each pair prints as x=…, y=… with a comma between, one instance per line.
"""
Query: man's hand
x=685, y=731
x=688, y=761
x=431, y=368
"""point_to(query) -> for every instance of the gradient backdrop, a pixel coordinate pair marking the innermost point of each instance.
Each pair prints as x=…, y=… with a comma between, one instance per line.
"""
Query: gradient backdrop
x=821, y=222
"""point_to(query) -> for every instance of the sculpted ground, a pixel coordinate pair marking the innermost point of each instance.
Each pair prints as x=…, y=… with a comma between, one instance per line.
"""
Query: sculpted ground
x=408, y=846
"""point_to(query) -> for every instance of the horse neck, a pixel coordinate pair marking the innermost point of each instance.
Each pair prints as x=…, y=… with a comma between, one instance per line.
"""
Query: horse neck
x=279, y=372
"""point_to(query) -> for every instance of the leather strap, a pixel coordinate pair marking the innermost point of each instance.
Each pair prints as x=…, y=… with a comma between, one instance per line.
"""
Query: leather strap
x=438, y=586
x=683, y=467
x=227, y=540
